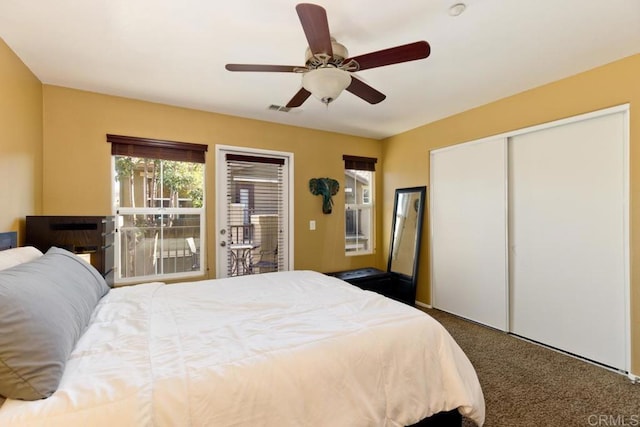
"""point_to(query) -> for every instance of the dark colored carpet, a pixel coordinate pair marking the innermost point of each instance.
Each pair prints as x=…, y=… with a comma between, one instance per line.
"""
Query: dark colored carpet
x=525, y=384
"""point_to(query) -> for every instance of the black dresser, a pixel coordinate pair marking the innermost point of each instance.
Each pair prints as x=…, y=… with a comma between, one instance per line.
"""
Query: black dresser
x=89, y=235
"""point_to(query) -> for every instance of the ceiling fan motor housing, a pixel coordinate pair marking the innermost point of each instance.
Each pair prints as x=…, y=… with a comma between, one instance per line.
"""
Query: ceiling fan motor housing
x=323, y=59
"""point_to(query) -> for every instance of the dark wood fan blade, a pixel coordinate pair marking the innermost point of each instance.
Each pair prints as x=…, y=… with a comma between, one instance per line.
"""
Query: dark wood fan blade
x=394, y=55
x=364, y=91
x=316, y=27
x=266, y=68
x=299, y=98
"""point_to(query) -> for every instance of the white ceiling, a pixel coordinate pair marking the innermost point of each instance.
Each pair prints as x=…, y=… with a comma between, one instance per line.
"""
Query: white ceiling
x=174, y=52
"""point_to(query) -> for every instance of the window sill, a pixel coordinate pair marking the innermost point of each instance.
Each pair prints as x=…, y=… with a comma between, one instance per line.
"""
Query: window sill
x=358, y=253
x=159, y=278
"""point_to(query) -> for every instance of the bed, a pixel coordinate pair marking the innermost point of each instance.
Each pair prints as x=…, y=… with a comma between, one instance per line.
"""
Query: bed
x=294, y=348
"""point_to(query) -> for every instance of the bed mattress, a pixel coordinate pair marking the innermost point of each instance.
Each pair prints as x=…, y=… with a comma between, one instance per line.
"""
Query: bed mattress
x=277, y=349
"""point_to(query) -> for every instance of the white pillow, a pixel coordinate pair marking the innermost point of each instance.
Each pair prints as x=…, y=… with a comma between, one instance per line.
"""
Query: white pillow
x=15, y=256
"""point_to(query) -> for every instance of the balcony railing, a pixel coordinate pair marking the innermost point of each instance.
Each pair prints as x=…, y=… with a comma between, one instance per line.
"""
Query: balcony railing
x=151, y=250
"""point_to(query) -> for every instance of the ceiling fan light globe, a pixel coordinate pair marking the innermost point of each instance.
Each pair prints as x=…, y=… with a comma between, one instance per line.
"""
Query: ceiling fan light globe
x=326, y=84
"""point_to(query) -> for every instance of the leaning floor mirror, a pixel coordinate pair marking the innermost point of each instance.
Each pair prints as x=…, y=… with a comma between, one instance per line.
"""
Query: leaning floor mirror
x=406, y=232
x=399, y=281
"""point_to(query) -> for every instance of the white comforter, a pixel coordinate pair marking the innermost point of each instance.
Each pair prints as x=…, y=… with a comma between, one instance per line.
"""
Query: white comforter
x=277, y=349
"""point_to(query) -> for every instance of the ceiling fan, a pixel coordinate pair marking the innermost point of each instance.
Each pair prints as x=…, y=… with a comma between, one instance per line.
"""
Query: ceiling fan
x=328, y=69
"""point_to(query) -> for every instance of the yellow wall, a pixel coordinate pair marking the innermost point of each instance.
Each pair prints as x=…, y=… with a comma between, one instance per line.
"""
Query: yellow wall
x=54, y=158
x=77, y=163
x=20, y=142
x=406, y=156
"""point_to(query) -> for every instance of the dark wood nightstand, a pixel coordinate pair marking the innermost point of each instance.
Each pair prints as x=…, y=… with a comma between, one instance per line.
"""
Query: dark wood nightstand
x=91, y=235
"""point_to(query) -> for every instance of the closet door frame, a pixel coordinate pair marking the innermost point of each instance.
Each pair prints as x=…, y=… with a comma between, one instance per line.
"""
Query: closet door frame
x=624, y=109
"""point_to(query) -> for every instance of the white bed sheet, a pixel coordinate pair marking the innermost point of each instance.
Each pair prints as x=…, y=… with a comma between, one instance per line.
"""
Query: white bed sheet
x=277, y=349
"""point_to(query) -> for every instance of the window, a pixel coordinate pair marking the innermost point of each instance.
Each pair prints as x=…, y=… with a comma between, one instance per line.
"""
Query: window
x=359, y=204
x=158, y=199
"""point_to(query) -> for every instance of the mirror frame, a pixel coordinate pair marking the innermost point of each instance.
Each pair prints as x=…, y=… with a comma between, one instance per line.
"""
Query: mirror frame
x=422, y=191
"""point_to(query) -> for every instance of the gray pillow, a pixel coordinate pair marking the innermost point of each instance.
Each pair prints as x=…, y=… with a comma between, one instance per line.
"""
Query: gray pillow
x=45, y=305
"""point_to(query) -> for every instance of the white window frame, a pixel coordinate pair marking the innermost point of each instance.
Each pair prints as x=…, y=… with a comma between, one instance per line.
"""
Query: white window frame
x=363, y=206
x=118, y=212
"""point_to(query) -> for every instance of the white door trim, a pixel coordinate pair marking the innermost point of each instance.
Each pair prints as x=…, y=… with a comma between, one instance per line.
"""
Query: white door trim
x=220, y=150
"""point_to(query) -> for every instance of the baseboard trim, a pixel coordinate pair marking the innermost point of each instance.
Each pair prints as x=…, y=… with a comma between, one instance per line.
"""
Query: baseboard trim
x=423, y=305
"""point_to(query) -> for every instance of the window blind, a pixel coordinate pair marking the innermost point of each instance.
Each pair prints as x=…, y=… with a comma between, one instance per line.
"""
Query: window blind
x=132, y=146
x=360, y=163
x=255, y=194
